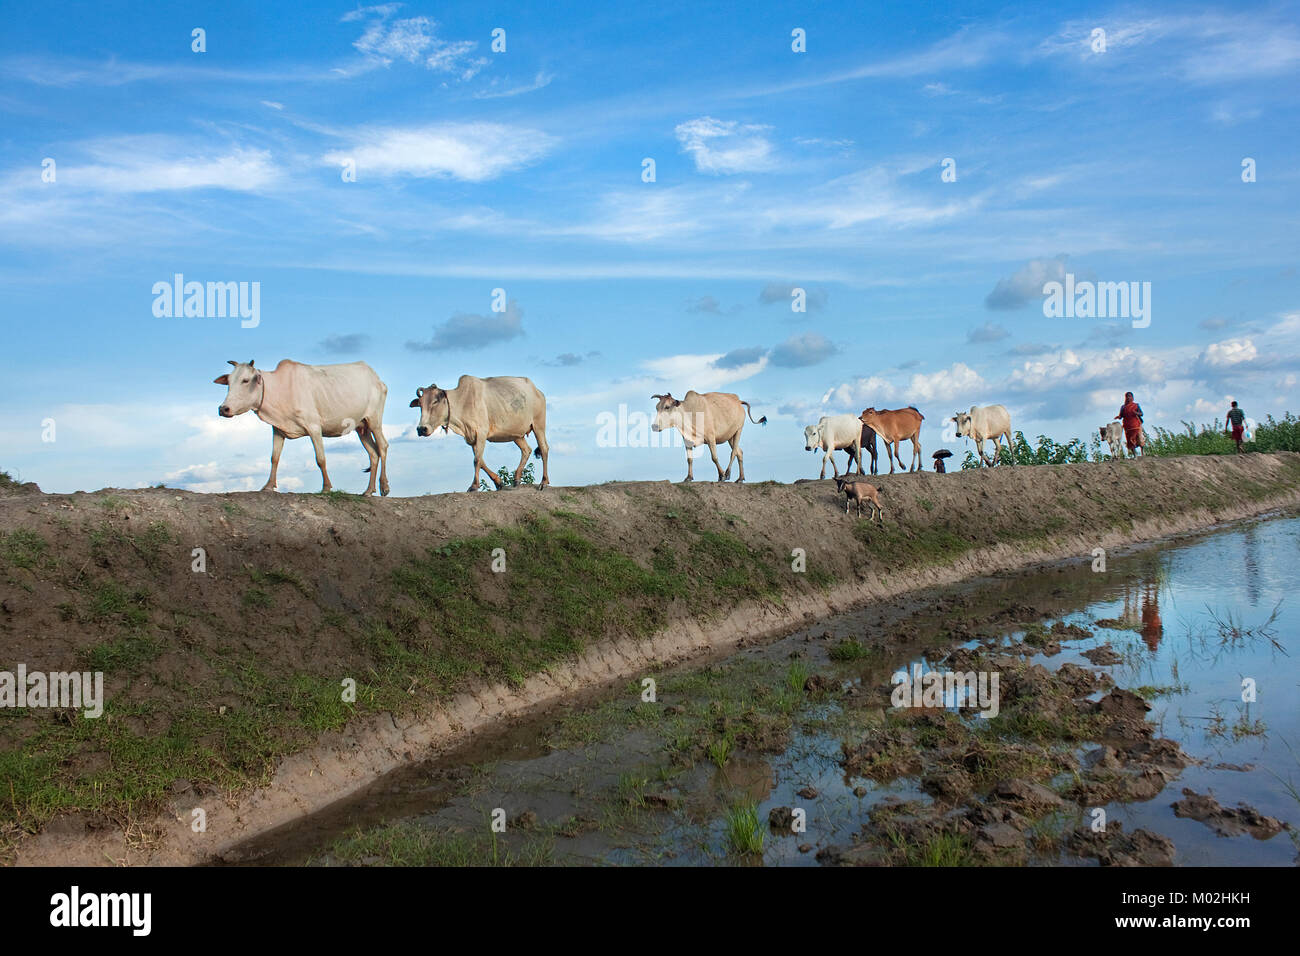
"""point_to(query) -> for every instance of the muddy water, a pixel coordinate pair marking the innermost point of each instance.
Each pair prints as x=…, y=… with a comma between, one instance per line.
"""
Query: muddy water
x=620, y=781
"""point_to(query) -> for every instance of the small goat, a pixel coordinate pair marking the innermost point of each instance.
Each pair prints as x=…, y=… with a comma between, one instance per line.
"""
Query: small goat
x=860, y=491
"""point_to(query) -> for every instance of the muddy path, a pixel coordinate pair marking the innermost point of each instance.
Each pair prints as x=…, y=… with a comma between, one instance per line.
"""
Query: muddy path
x=1101, y=719
x=223, y=684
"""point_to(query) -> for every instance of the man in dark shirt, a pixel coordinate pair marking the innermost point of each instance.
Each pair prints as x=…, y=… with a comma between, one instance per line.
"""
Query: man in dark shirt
x=1237, y=424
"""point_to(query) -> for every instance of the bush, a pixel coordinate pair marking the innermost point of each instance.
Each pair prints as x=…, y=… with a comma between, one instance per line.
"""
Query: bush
x=1270, y=435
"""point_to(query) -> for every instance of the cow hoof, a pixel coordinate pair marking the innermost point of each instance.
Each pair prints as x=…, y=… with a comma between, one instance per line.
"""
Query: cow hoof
x=740, y=480
x=472, y=488
x=688, y=478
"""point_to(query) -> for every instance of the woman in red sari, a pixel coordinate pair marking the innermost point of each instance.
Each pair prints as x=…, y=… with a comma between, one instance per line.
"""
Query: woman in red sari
x=1130, y=414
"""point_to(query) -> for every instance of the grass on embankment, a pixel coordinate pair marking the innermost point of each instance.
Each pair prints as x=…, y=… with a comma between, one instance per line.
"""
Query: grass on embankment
x=193, y=697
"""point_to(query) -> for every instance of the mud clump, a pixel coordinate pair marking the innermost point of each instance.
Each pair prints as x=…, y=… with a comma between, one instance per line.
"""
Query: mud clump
x=1227, y=821
x=1114, y=847
x=1103, y=656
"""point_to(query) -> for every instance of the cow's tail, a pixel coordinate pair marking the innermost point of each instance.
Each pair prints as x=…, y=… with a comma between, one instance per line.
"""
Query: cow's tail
x=917, y=410
x=761, y=421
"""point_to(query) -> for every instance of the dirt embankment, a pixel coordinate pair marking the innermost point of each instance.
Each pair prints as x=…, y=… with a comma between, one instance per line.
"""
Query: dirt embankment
x=228, y=685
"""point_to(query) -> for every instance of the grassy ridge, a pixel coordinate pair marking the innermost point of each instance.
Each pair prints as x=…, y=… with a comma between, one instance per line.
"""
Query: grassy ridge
x=1270, y=435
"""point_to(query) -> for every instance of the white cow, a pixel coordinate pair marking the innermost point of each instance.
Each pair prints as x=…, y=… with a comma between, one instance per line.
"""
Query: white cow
x=1113, y=434
x=833, y=433
x=990, y=421
x=498, y=409
x=320, y=401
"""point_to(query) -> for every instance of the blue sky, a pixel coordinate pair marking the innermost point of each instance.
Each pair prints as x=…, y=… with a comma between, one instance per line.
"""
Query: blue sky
x=522, y=170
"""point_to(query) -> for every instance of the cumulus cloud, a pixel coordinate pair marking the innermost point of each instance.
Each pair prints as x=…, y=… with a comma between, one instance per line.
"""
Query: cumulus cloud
x=468, y=331
x=1233, y=352
x=783, y=292
x=214, y=477
x=738, y=358
x=1029, y=349
x=988, y=332
x=344, y=344
x=1074, y=369
x=724, y=147
x=800, y=351
x=709, y=304
x=570, y=359
x=473, y=152
x=1025, y=285
x=699, y=372
x=956, y=382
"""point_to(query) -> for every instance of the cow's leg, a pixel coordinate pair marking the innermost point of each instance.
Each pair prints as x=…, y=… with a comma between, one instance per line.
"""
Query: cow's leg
x=318, y=443
x=916, y=453
x=889, y=455
x=363, y=435
x=376, y=433
x=835, y=469
x=713, y=450
x=690, y=462
x=277, y=446
x=523, y=460
x=740, y=460
x=823, y=472
x=855, y=454
x=481, y=465
x=730, y=461
x=545, y=450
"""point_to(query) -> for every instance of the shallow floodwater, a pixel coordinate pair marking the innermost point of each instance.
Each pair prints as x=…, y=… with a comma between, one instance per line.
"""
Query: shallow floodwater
x=1192, y=619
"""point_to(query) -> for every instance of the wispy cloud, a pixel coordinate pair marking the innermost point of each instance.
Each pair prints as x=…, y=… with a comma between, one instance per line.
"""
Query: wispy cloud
x=724, y=147
x=474, y=152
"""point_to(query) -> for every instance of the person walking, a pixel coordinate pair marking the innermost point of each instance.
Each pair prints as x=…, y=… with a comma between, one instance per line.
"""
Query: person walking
x=1236, y=425
x=1130, y=414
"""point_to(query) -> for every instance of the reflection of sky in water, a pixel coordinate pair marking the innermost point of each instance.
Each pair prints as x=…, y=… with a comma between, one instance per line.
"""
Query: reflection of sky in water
x=1180, y=604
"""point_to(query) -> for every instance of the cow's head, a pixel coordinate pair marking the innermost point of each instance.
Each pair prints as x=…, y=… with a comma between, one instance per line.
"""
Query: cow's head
x=435, y=410
x=870, y=417
x=963, y=421
x=812, y=437
x=244, y=389
x=1102, y=429
x=668, y=413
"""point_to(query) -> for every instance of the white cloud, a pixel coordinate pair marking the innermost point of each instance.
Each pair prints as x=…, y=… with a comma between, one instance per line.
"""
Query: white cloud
x=413, y=40
x=474, y=152
x=1232, y=352
x=699, y=372
x=1025, y=285
x=141, y=164
x=725, y=147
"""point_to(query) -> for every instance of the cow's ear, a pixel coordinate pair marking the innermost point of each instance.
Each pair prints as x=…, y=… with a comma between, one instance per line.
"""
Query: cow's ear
x=415, y=403
x=221, y=380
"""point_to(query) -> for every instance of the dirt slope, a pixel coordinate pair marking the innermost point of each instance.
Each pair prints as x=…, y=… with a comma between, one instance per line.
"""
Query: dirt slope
x=224, y=685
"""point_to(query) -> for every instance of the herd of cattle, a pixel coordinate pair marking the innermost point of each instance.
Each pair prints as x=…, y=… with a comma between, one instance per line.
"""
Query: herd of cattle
x=328, y=401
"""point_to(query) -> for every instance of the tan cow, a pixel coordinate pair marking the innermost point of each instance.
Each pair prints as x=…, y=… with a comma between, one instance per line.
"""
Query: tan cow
x=893, y=426
x=706, y=419
x=480, y=410
x=323, y=401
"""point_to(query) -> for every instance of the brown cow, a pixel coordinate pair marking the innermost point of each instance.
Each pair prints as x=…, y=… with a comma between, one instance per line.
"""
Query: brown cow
x=893, y=426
